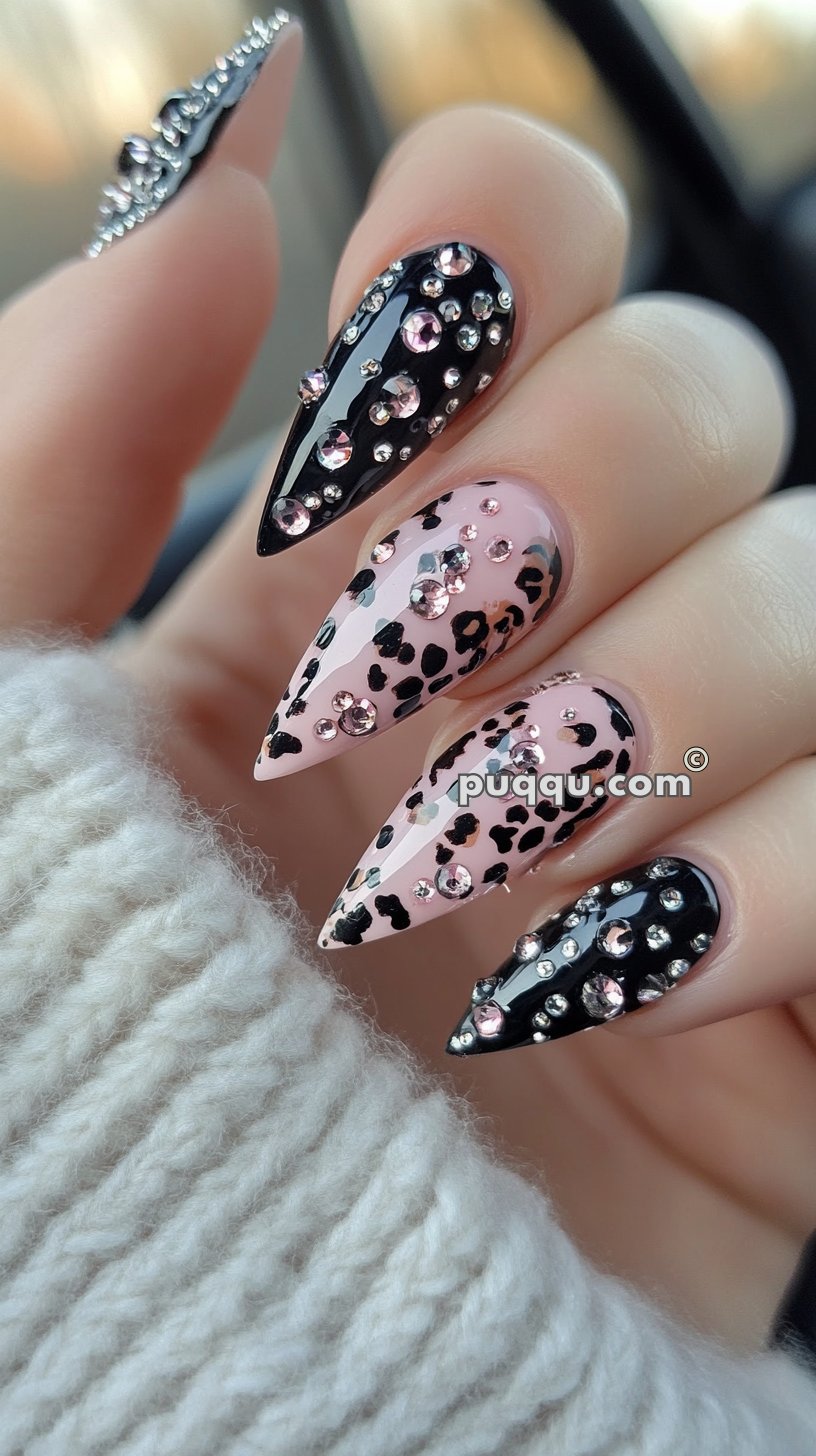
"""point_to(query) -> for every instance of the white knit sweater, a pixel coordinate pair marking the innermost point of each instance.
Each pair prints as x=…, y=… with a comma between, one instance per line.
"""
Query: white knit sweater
x=230, y=1222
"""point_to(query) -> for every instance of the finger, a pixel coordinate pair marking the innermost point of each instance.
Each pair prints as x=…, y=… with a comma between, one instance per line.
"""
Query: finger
x=657, y=420
x=117, y=371
x=637, y=696
x=722, y=912
x=539, y=251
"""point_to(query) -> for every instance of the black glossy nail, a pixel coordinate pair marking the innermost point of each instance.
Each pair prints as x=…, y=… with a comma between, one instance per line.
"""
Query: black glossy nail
x=431, y=332
x=620, y=945
x=150, y=171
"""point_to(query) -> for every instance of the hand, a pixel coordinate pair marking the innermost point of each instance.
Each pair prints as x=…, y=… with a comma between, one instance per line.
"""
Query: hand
x=678, y=1146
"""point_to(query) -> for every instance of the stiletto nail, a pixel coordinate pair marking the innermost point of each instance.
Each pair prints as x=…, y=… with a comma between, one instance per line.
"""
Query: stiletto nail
x=436, y=851
x=623, y=944
x=450, y=588
x=430, y=333
x=150, y=171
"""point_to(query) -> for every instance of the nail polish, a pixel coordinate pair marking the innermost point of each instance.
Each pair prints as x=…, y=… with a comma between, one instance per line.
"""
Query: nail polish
x=456, y=584
x=441, y=848
x=150, y=171
x=430, y=333
x=621, y=945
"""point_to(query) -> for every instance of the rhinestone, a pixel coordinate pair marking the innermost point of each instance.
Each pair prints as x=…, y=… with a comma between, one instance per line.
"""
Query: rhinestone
x=452, y=406
x=657, y=936
x=137, y=163
x=498, y=548
x=545, y=969
x=382, y=552
x=453, y=881
x=621, y=887
x=701, y=943
x=540, y=1036
x=342, y=700
x=405, y=452
x=662, y=869
x=570, y=949
x=489, y=506
x=119, y=198
x=468, y=337
x=557, y=1005
x=676, y=969
x=483, y=989
x=567, y=715
x=351, y=334
x=455, y=558
x=505, y=299
x=468, y=533
x=671, y=899
x=360, y=718
x=428, y=598
x=290, y=516
x=312, y=502
x=451, y=378
x=481, y=305
x=465, y=1038
x=332, y=492
x=488, y=1018
x=484, y=380
x=325, y=729
x=594, y=890
x=527, y=757
x=379, y=414
x=527, y=947
x=383, y=452
x=397, y=266
x=386, y=279
x=401, y=396
x=436, y=424
x=450, y=310
x=421, y=331
x=432, y=286
x=373, y=302
x=370, y=368
x=494, y=334
x=334, y=449
x=532, y=730
x=541, y=1021
x=586, y=904
x=171, y=121
x=570, y=921
x=312, y=385
x=651, y=988
x=602, y=997
x=616, y=939
x=423, y=890
x=454, y=260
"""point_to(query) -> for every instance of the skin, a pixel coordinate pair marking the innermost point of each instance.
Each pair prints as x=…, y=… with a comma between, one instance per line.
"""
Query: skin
x=676, y=1142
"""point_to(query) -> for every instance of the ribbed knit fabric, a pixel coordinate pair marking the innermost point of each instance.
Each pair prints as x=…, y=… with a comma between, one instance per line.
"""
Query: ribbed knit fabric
x=232, y=1222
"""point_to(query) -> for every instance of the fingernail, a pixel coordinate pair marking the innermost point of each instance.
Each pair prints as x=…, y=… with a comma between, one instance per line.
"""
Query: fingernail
x=150, y=171
x=431, y=333
x=448, y=589
x=621, y=945
x=436, y=851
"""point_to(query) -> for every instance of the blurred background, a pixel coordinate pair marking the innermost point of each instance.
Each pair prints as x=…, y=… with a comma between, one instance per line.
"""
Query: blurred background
x=77, y=74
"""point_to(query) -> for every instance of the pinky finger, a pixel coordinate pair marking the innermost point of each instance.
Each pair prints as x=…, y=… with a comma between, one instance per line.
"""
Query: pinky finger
x=732, y=893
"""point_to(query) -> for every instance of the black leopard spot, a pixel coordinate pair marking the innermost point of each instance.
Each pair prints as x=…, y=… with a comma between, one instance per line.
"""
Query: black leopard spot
x=546, y=811
x=600, y=760
x=311, y=670
x=284, y=743
x=464, y=825
x=360, y=583
x=503, y=838
x=273, y=726
x=448, y=496
x=287, y=694
x=617, y=717
x=518, y=707
x=572, y=803
x=385, y=836
x=406, y=654
x=529, y=581
x=389, y=639
x=513, y=618
x=391, y=908
x=531, y=839
x=469, y=630
x=473, y=662
x=443, y=854
x=496, y=875
x=408, y=688
x=489, y=723
x=449, y=755
x=325, y=636
x=440, y=684
x=296, y=707
x=377, y=679
x=568, y=829
x=517, y=814
x=429, y=509
x=431, y=522
x=624, y=762
x=493, y=740
x=350, y=929
x=583, y=734
x=433, y=659
x=404, y=710
x=413, y=800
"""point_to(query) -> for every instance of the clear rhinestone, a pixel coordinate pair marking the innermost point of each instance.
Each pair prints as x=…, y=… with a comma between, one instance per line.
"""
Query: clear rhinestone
x=456, y=558
x=671, y=899
x=541, y=1021
x=332, y=492
x=602, y=997
x=325, y=730
x=405, y=452
x=657, y=936
x=481, y=305
x=360, y=718
x=382, y=552
x=401, y=396
x=383, y=452
x=594, y=890
x=701, y=943
x=468, y=337
x=557, y=1005
x=570, y=921
x=450, y=310
x=616, y=939
x=505, y=299
x=436, y=425
x=468, y=533
x=567, y=715
x=386, y=279
x=452, y=406
x=570, y=949
x=290, y=516
x=428, y=598
x=651, y=988
x=527, y=757
x=342, y=700
x=484, y=380
x=334, y=449
x=527, y=947
x=451, y=378
x=662, y=869
x=432, y=286
x=397, y=266
x=421, y=331
x=454, y=260
x=465, y=1038
x=494, y=334
x=498, y=548
x=312, y=385
x=586, y=904
x=137, y=164
x=488, y=1018
x=545, y=969
x=423, y=890
x=453, y=881
x=621, y=887
x=351, y=334
x=118, y=198
x=373, y=302
x=379, y=414
x=171, y=121
x=489, y=506
x=678, y=968
x=540, y=1036
x=483, y=989
x=370, y=368
x=312, y=502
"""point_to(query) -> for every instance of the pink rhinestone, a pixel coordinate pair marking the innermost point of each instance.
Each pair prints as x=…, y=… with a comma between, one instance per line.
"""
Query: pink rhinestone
x=468, y=533
x=498, y=548
x=290, y=516
x=454, y=583
x=421, y=331
x=325, y=729
x=360, y=718
x=602, y=997
x=334, y=448
x=488, y=1018
x=312, y=385
x=616, y=938
x=428, y=598
x=401, y=396
x=454, y=260
x=489, y=506
x=383, y=551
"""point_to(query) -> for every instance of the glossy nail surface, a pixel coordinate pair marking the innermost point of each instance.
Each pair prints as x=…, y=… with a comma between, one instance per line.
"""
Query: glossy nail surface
x=443, y=593
x=435, y=852
x=430, y=333
x=151, y=170
x=621, y=945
